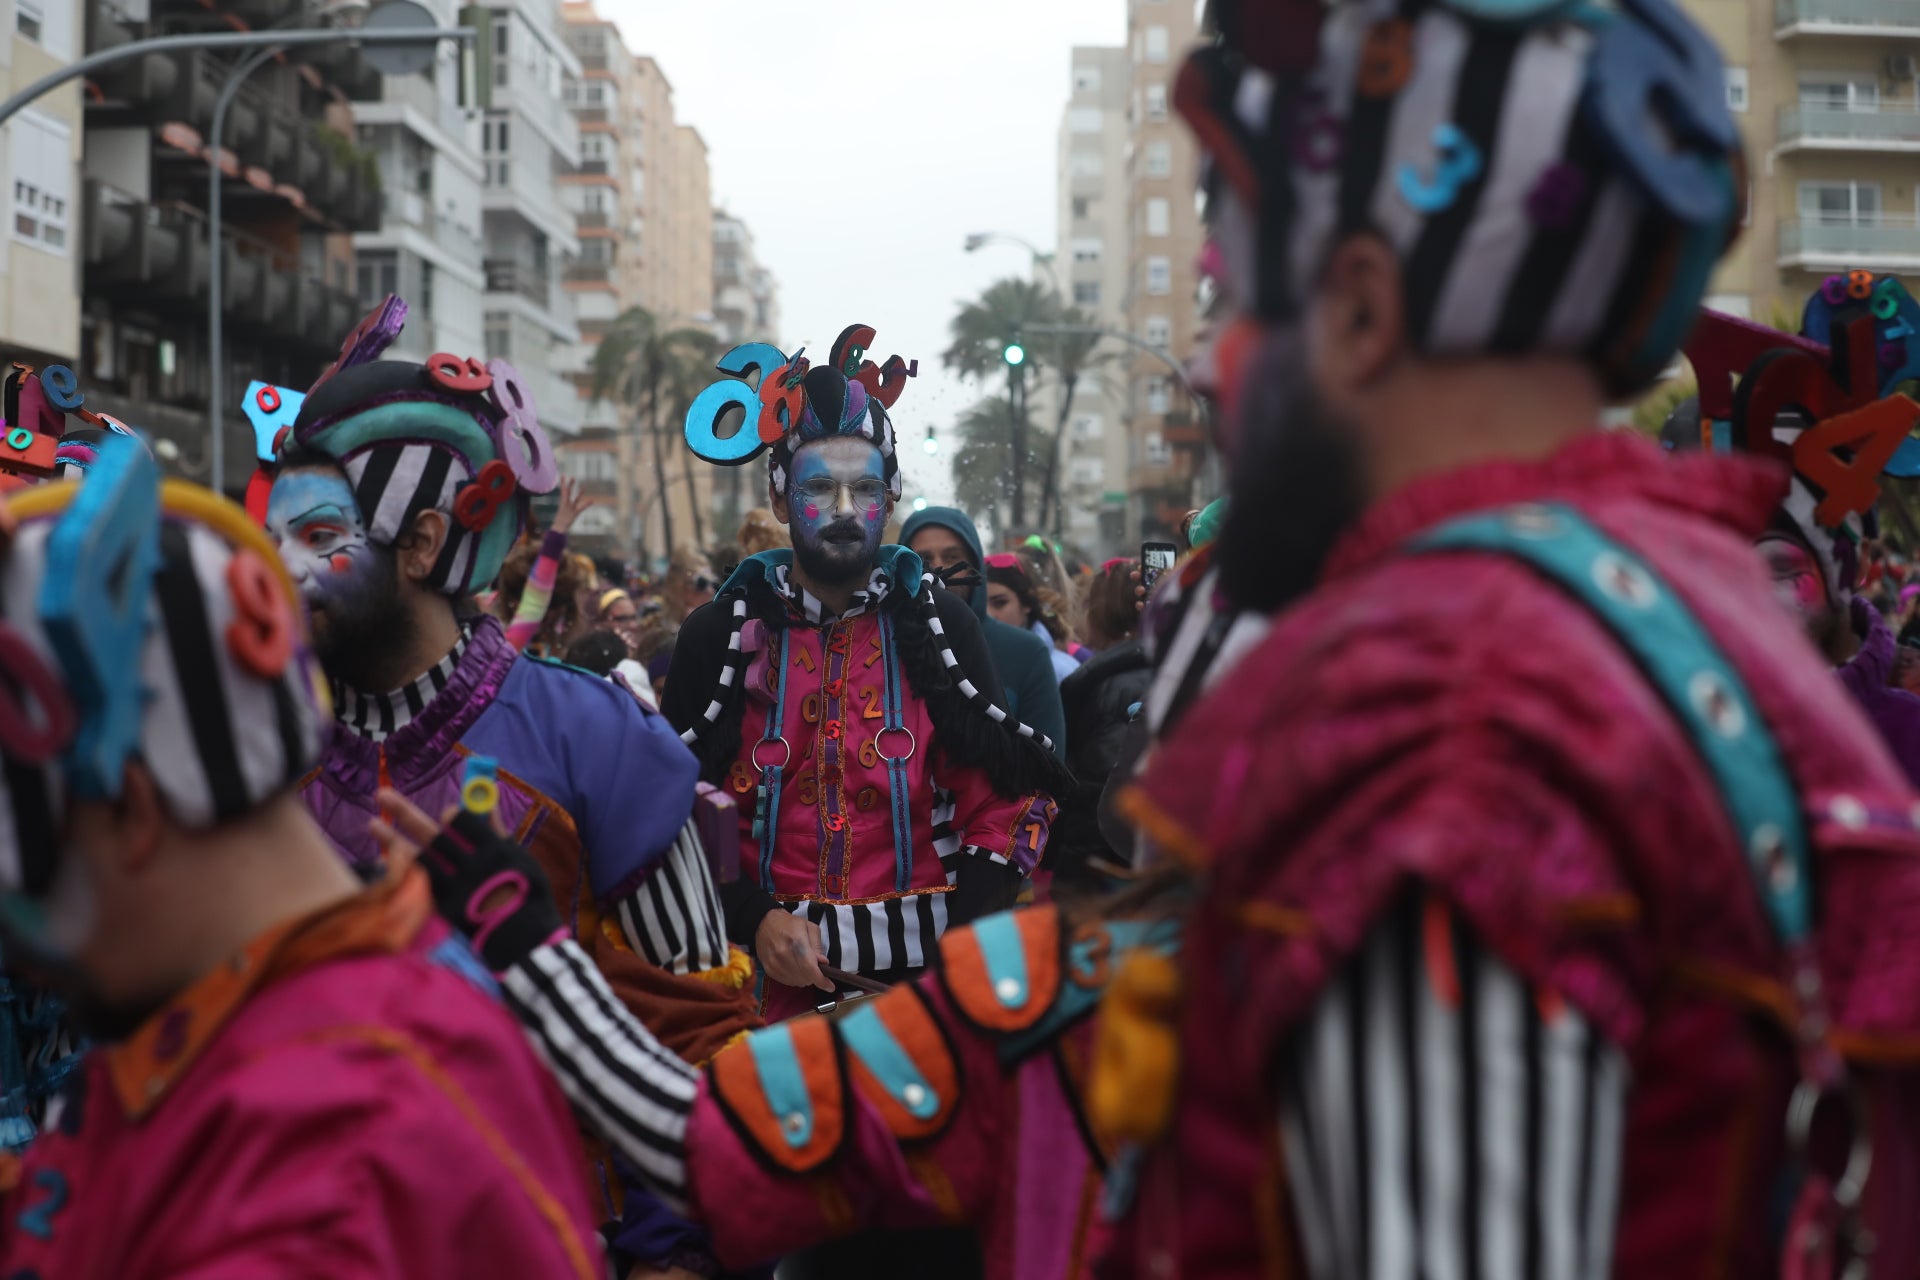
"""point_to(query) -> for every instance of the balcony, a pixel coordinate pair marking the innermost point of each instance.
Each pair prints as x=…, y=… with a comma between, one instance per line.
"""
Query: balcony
x=1877, y=244
x=1819, y=128
x=521, y=278
x=1898, y=19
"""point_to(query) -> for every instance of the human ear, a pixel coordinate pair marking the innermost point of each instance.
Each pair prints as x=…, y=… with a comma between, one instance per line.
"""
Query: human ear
x=777, y=502
x=419, y=551
x=1358, y=316
x=141, y=815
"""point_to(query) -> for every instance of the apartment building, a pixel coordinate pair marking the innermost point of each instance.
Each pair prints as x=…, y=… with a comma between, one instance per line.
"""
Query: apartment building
x=746, y=308
x=295, y=187
x=1827, y=93
x=40, y=257
x=529, y=141
x=1167, y=444
x=428, y=246
x=1093, y=264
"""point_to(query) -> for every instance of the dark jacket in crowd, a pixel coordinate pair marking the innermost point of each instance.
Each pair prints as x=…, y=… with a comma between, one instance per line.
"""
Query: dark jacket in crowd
x=1098, y=700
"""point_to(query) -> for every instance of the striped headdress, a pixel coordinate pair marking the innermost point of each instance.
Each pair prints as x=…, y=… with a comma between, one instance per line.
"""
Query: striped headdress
x=151, y=621
x=452, y=435
x=1555, y=175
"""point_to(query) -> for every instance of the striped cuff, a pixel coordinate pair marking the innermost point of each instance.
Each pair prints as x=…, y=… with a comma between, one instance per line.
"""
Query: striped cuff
x=621, y=1081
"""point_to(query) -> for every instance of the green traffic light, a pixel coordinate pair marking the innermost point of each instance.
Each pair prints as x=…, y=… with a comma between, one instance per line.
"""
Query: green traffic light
x=1015, y=354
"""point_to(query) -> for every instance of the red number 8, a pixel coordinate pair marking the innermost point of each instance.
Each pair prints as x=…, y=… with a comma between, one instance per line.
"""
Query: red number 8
x=23, y=737
x=481, y=500
x=1860, y=285
x=260, y=637
x=457, y=373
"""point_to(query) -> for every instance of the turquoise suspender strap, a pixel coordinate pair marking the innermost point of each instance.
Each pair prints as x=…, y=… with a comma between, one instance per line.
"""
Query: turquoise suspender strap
x=1691, y=674
x=767, y=820
x=895, y=721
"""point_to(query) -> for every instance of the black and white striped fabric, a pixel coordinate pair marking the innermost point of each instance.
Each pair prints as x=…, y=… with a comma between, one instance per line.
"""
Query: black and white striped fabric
x=218, y=740
x=674, y=918
x=871, y=937
x=632, y=1091
x=1442, y=1125
x=1473, y=147
x=808, y=606
x=393, y=483
x=378, y=716
x=968, y=689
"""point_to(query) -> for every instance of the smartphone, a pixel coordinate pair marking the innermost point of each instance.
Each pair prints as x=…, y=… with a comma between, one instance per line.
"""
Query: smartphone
x=1155, y=558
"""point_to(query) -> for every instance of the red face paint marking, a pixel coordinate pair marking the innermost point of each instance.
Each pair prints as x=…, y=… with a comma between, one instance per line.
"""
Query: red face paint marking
x=811, y=512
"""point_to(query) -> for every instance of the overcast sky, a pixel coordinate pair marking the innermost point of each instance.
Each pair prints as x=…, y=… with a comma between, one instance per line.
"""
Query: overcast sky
x=862, y=142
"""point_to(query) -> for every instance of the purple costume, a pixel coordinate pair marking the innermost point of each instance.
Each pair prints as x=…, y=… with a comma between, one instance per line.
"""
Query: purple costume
x=1868, y=675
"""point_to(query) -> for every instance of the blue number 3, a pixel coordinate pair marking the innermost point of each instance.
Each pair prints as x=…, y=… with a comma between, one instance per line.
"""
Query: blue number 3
x=1457, y=162
x=37, y=1219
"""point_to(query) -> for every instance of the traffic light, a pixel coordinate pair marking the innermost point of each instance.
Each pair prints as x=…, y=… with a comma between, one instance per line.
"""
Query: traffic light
x=1015, y=355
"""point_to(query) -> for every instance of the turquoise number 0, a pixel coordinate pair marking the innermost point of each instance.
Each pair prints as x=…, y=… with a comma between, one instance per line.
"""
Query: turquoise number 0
x=703, y=415
x=101, y=558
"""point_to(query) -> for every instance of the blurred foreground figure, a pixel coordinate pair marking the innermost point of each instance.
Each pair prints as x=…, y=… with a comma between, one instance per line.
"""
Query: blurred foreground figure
x=1546, y=909
x=291, y=1074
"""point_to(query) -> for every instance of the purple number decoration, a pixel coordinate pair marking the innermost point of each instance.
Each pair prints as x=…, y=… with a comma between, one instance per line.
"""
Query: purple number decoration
x=1656, y=91
x=523, y=441
x=101, y=558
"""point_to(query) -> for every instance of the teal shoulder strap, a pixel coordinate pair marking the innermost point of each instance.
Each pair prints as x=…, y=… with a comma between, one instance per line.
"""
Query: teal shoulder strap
x=1688, y=669
x=1090, y=962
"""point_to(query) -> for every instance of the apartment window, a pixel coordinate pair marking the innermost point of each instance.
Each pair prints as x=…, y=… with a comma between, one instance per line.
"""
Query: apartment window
x=1159, y=159
x=1159, y=397
x=1086, y=293
x=1840, y=204
x=1840, y=91
x=42, y=181
x=1087, y=426
x=1156, y=102
x=1082, y=207
x=426, y=288
x=379, y=276
x=28, y=19
x=1159, y=275
x=500, y=50
x=493, y=135
x=1159, y=216
x=594, y=147
x=1086, y=79
x=1736, y=88
x=1086, y=249
x=595, y=94
x=1085, y=164
x=1083, y=120
x=1157, y=332
x=499, y=337
x=593, y=200
x=1157, y=44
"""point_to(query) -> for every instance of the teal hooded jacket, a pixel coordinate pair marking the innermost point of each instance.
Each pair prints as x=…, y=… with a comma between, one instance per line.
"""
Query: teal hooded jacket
x=1025, y=666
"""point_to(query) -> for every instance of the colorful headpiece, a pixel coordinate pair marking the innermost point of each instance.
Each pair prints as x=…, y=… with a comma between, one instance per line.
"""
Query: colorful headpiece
x=1555, y=175
x=797, y=403
x=1824, y=401
x=39, y=441
x=144, y=620
x=451, y=435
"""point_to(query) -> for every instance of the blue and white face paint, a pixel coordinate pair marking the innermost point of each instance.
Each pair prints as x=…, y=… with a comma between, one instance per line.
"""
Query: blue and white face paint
x=837, y=505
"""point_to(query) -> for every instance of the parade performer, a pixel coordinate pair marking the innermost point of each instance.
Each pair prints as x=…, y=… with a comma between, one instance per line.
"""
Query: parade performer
x=1530, y=825
x=1859, y=340
x=846, y=700
x=397, y=489
x=290, y=1072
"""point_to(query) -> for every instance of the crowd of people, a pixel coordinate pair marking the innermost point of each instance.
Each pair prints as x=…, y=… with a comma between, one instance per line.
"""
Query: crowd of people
x=1487, y=853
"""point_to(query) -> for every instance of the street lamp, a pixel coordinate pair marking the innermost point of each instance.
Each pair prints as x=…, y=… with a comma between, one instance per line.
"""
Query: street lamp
x=978, y=239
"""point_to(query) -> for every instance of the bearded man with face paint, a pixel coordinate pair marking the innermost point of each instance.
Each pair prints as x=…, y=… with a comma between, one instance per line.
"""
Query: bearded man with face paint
x=397, y=490
x=884, y=790
x=290, y=1069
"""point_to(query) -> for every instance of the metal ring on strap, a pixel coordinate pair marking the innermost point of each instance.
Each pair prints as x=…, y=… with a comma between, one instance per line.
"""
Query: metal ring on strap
x=1802, y=1109
x=786, y=749
x=913, y=744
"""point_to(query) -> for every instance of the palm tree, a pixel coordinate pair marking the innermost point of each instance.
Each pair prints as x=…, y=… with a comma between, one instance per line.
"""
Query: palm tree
x=981, y=332
x=649, y=368
x=986, y=464
x=1070, y=355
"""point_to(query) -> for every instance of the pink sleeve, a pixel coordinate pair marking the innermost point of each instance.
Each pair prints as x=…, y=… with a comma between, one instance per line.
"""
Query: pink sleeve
x=539, y=591
x=992, y=826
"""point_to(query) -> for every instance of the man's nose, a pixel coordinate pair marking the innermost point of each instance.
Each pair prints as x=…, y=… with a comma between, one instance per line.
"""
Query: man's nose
x=843, y=500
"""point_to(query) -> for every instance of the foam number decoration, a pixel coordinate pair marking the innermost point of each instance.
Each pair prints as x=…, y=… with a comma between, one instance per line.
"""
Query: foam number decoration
x=107, y=422
x=101, y=558
x=1656, y=92
x=1386, y=59
x=480, y=500
x=62, y=389
x=783, y=397
x=1457, y=161
x=461, y=375
x=374, y=334
x=523, y=441
x=29, y=407
x=883, y=382
x=260, y=637
x=1895, y=313
x=29, y=452
x=1723, y=347
x=270, y=410
x=1855, y=432
x=703, y=415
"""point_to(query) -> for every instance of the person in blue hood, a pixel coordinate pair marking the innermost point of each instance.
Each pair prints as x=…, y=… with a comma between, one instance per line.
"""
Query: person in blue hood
x=946, y=541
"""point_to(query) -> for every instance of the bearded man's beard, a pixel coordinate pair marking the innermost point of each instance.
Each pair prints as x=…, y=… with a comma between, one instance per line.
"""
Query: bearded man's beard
x=363, y=632
x=1297, y=483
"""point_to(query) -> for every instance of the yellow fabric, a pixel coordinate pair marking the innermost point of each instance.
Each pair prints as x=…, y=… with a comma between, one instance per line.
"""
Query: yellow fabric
x=1136, y=1051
